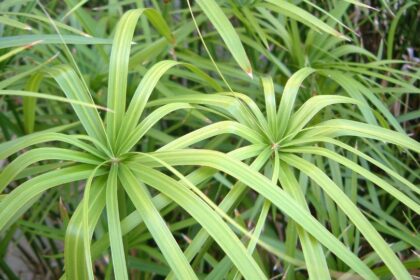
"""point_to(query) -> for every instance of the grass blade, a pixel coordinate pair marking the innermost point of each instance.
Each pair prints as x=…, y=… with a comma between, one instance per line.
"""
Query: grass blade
x=314, y=256
x=74, y=247
x=114, y=227
x=354, y=214
x=227, y=32
x=204, y=215
x=141, y=198
x=288, y=98
x=22, y=197
x=23, y=40
x=118, y=67
x=266, y=188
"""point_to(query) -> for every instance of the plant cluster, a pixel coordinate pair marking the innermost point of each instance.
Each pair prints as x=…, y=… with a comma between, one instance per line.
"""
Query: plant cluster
x=256, y=139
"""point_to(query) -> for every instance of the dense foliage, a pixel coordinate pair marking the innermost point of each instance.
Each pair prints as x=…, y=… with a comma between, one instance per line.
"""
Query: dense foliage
x=256, y=139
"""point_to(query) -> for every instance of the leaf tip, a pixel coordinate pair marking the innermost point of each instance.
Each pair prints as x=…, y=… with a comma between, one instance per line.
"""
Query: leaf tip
x=33, y=44
x=344, y=37
x=53, y=57
x=86, y=35
x=249, y=73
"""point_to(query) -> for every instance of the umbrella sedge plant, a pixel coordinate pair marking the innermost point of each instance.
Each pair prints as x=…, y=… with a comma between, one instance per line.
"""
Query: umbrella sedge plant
x=315, y=160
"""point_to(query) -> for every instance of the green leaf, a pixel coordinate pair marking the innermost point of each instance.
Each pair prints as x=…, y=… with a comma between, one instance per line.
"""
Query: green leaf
x=298, y=14
x=114, y=227
x=74, y=89
x=14, y=23
x=42, y=18
x=29, y=103
x=204, y=215
x=360, y=170
x=270, y=103
x=351, y=210
x=393, y=28
x=22, y=197
x=341, y=127
x=74, y=248
x=355, y=151
x=11, y=80
x=15, y=145
x=288, y=98
x=311, y=107
x=118, y=66
x=312, y=250
x=15, y=51
x=230, y=199
x=23, y=40
x=145, y=89
x=36, y=155
x=232, y=102
x=227, y=32
x=147, y=123
x=213, y=130
x=142, y=200
x=271, y=192
x=52, y=97
x=196, y=177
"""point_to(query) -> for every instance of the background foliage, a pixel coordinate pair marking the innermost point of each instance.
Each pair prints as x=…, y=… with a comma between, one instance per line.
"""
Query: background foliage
x=209, y=139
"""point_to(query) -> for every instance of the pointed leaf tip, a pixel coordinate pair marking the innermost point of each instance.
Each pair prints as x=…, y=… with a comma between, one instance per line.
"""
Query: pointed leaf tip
x=33, y=44
x=86, y=35
x=249, y=73
x=53, y=57
x=226, y=30
x=342, y=36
